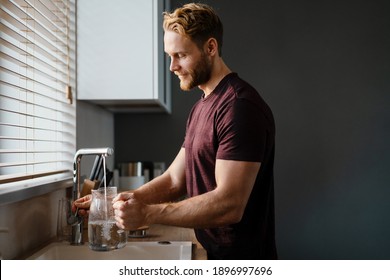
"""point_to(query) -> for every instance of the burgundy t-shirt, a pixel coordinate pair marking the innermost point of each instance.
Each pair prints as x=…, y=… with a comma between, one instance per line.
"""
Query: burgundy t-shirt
x=234, y=123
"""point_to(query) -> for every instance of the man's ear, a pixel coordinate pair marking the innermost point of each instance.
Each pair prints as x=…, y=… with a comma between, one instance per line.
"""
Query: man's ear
x=211, y=47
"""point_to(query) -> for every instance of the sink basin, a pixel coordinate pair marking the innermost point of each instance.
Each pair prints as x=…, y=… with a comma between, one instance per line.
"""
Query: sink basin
x=147, y=250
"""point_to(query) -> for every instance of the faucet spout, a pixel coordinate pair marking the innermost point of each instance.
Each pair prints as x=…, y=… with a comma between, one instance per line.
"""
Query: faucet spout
x=76, y=166
x=78, y=227
x=94, y=151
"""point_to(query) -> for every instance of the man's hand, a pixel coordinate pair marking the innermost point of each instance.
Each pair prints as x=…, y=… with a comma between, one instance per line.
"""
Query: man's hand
x=130, y=213
x=82, y=204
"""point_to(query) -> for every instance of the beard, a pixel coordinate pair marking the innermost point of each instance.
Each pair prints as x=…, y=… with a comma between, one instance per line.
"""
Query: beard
x=199, y=75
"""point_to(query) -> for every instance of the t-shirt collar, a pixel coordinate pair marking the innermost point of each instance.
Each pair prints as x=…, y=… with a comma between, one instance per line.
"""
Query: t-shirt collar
x=220, y=84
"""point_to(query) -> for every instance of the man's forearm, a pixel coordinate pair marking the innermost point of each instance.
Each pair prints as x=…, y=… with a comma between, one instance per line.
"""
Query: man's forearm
x=159, y=190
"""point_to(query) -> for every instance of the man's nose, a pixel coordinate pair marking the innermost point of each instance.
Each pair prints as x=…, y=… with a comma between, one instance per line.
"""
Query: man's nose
x=174, y=66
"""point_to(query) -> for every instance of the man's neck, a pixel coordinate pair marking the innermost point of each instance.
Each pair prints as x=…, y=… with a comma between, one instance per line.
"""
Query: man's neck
x=218, y=73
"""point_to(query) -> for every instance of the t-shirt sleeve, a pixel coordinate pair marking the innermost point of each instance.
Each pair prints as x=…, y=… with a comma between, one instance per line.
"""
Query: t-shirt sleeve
x=241, y=132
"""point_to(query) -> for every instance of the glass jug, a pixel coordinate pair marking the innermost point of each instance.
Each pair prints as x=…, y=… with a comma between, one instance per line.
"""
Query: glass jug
x=103, y=233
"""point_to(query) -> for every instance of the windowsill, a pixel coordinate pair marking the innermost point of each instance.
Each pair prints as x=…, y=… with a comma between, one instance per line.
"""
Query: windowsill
x=18, y=191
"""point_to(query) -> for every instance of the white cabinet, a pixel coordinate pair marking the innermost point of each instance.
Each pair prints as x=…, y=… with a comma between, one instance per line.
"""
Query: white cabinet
x=120, y=58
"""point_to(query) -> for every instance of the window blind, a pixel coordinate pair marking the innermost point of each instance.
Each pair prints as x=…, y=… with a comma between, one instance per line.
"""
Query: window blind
x=37, y=71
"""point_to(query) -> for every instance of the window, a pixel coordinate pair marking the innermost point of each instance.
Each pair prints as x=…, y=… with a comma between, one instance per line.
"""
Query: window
x=37, y=71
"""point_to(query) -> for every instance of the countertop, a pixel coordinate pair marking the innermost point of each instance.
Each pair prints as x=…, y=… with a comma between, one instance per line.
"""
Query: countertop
x=155, y=233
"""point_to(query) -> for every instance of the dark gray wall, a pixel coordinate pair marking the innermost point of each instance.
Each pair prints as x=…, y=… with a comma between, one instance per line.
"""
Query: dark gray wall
x=323, y=67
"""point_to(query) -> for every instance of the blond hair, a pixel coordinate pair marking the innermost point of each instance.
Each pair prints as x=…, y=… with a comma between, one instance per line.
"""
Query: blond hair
x=197, y=21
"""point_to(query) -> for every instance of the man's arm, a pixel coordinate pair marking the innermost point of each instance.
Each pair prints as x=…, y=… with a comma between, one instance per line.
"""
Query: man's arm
x=167, y=187
x=222, y=206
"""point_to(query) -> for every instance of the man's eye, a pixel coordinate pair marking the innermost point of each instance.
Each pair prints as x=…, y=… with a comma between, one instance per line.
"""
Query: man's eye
x=181, y=55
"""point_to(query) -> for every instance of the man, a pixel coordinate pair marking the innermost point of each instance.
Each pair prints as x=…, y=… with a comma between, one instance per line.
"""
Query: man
x=225, y=165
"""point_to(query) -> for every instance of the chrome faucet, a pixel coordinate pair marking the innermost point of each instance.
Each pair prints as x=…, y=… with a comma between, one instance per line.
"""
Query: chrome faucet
x=77, y=223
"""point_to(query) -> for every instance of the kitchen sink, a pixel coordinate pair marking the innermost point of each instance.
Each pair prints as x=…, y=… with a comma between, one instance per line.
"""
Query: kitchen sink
x=147, y=250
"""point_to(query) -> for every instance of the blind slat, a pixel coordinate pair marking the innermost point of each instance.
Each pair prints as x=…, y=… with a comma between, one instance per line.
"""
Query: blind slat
x=67, y=130
x=27, y=176
x=30, y=152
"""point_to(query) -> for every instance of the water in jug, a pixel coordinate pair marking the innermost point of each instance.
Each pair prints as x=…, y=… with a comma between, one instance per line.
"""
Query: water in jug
x=103, y=233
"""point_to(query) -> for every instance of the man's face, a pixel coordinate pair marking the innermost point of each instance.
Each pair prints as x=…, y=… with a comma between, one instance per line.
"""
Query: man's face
x=188, y=62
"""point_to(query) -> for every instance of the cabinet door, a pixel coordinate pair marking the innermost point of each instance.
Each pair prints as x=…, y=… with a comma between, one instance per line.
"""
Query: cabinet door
x=119, y=53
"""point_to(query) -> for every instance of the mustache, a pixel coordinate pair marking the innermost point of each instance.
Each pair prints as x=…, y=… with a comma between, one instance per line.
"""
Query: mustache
x=179, y=73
